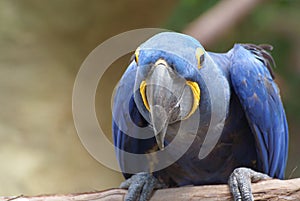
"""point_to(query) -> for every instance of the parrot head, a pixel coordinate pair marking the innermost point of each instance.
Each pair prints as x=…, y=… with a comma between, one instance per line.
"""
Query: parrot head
x=168, y=80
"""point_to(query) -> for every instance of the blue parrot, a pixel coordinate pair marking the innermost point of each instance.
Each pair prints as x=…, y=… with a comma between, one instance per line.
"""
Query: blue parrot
x=185, y=116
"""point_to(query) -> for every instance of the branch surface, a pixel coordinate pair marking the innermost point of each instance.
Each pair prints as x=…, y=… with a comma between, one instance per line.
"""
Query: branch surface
x=265, y=190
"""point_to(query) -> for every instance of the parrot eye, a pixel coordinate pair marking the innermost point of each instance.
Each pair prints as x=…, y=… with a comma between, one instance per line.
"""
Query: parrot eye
x=136, y=55
x=200, y=56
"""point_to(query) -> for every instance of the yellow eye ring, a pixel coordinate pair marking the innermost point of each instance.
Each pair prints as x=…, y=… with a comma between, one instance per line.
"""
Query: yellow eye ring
x=200, y=56
x=137, y=53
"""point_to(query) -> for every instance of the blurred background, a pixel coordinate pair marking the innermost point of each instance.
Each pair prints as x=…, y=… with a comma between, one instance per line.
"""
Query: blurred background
x=42, y=45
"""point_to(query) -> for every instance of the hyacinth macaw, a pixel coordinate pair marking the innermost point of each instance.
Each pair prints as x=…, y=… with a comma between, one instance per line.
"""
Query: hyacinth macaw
x=169, y=92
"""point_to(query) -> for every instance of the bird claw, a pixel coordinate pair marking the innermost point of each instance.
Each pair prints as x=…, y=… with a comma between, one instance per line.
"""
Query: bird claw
x=140, y=186
x=240, y=183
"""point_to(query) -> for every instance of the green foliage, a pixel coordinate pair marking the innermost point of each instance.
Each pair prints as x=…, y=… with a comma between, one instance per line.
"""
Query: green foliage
x=186, y=11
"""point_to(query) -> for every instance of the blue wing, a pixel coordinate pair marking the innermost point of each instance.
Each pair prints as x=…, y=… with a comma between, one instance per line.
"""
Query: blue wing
x=252, y=81
x=128, y=120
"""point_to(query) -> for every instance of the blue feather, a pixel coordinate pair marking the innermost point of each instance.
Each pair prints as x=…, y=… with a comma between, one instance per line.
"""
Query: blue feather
x=261, y=102
x=255, y=133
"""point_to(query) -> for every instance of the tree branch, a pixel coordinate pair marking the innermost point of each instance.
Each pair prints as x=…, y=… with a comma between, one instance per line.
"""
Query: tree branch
x=265, y=190
x=218, y=20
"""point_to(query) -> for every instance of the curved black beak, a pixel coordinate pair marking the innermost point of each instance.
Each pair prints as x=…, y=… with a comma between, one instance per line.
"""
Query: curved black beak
x=164, y=92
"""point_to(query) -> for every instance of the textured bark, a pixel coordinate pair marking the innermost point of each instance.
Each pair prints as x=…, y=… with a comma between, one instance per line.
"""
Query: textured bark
x=265, y=190
x=214, y=23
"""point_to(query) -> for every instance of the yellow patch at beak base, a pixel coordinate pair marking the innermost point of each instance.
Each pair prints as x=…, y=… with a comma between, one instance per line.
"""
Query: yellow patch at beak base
x=143, y=94
x=196, y=94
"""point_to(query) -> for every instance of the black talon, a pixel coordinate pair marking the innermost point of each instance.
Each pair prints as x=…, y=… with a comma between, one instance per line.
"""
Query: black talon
x=240, y=183
x=141, y=186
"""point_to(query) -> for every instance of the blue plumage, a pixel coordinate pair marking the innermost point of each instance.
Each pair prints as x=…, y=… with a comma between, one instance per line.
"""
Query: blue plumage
x=260, y=99
x=255, y=133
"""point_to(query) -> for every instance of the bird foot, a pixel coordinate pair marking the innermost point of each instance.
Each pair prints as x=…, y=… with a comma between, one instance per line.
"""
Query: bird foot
x=240, y=183
x=140, y=186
